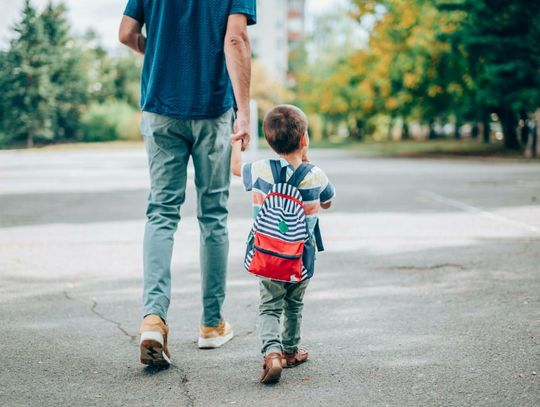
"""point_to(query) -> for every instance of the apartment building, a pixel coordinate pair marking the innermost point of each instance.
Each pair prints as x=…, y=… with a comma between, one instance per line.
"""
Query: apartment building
x=280, y=27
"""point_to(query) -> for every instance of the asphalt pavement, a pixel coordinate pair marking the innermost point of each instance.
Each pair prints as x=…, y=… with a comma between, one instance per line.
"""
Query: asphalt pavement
x=428, y=293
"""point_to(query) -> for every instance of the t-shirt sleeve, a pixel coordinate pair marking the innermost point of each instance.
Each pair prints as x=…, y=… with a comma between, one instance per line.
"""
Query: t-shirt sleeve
x=328, y=192
x=135, y=9
x=247, y=176
x=247, y=7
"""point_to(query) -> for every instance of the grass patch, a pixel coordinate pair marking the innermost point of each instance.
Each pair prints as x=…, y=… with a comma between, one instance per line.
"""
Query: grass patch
x=424, y=148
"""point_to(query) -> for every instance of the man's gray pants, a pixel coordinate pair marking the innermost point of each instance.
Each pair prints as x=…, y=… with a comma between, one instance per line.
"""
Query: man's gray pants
x=169, y=144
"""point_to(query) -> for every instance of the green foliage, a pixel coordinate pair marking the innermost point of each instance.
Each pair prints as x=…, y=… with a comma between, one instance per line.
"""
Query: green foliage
x=500, y=41
x=325, y=80
x=26, y=87
x=50, y=80
x=66, y=73
x=112, y=120
x=427, y=62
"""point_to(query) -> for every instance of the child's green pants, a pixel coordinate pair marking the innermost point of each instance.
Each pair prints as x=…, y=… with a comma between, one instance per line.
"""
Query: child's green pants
x=279, y=298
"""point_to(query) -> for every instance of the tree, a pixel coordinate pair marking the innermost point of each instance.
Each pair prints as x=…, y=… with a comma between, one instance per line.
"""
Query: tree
x=127, y=78
x=68, y=78
x=405, y=70
x=27, y=89
x=265, y=90
x=325, y=84
x=49, y=78
x=4, y=137
x=415, y=73
x=500, y=39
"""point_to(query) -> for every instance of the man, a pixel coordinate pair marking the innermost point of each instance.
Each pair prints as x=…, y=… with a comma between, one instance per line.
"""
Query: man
x=196, y=56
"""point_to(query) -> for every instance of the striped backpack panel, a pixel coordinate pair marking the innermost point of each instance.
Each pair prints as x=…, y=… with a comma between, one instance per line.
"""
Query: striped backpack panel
x=279, y=241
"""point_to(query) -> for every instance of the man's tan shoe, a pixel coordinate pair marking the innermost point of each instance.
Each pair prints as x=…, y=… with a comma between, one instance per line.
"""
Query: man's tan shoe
x=272, y=368
x=154, y=351
x=211, y=337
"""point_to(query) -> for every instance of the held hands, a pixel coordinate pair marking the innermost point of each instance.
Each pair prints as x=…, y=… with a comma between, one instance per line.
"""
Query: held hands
x=239, y=140
x=236, y=156
x=241, y=130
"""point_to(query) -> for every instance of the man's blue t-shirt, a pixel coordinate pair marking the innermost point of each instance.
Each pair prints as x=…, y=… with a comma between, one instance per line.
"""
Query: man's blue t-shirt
x=184, y=72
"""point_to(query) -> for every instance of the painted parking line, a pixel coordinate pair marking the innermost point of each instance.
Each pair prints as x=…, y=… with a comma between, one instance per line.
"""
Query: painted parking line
x=478, y=211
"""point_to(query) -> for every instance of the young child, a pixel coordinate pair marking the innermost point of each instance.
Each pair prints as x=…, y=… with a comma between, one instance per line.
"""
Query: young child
x=285, y=130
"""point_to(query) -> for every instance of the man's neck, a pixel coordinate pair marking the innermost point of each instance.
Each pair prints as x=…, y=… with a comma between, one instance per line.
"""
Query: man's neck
x=294, y=158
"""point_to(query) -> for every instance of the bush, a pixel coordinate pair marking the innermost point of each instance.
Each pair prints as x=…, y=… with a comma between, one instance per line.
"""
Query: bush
x=110, y=121
x=4, y=139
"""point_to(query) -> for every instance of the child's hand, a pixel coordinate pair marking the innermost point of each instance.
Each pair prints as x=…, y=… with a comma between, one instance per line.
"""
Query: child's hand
x=241, y=131
x=236, y=156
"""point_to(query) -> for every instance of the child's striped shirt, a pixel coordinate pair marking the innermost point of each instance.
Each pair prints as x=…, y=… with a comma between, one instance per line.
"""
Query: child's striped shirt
x=315, y=188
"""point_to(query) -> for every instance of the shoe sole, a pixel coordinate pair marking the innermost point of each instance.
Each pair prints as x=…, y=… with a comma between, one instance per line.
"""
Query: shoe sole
x=216, y=342
x=273, y=375
x=152, y=353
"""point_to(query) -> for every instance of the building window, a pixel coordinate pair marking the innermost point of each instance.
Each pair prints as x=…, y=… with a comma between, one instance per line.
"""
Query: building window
x=296, y=5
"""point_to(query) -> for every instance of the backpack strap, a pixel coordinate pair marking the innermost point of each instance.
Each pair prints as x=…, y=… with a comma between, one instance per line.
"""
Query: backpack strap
x=318, y=237
x=279, y=172
x=299, y=174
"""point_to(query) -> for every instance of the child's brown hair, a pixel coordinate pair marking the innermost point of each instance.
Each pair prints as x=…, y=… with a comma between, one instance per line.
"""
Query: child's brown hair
x=284, y=126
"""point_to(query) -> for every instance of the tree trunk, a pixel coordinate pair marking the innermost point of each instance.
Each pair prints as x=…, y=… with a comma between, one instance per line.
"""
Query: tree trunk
x=432, y=133
x=457, y=130
x=537, y=133
x=390, y=127
x=360, y=129
x=509, y=126
x=30, y=139
x=535, y=145
x=486, y=128
x=475, y=131
x=532, y=149
x=357, y=132
x=324, y=133
x=524, y=130
x=405, y=133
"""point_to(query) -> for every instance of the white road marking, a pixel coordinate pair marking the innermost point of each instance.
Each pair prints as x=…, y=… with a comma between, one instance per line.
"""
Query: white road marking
x=478, y=211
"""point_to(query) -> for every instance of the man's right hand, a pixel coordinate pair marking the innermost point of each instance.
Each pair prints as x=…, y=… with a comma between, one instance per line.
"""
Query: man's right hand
x=241, y=130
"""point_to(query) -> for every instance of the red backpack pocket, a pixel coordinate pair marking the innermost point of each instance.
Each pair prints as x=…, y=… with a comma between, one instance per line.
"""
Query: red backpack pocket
x=276, y=259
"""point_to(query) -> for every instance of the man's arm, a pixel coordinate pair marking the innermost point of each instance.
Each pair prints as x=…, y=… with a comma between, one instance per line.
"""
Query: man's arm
x=238, y=58
x=130, y=34
x=236, y=158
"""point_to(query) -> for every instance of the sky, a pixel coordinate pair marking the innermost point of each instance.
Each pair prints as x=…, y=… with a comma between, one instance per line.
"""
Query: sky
x=104, y=16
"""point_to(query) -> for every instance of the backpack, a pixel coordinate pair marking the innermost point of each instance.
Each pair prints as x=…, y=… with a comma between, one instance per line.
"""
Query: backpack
x=280, y=246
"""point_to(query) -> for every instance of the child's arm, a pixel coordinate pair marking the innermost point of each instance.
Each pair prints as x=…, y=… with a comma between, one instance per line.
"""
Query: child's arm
x=328, y=193
x=236, y=158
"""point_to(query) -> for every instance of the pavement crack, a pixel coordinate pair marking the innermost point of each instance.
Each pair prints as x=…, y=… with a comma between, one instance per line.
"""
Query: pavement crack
x=184, y=380
x=93, y=306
